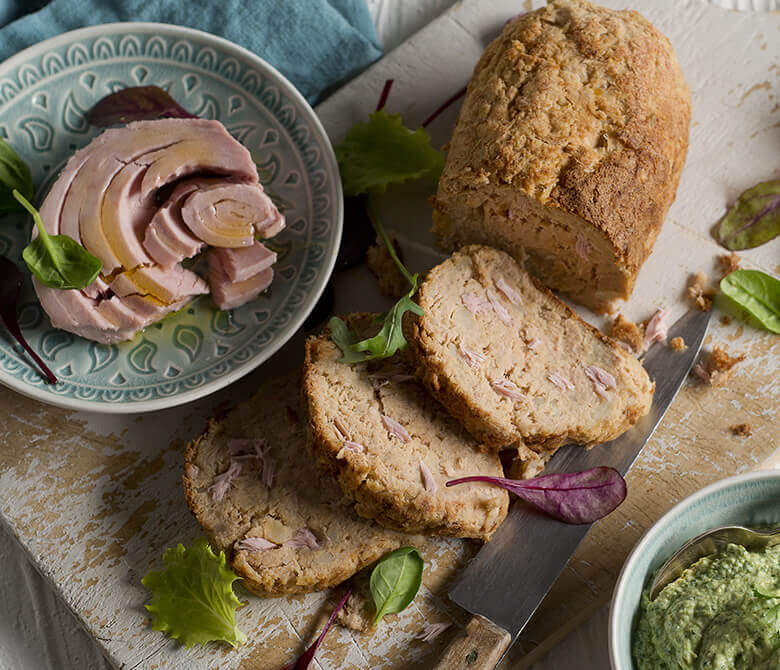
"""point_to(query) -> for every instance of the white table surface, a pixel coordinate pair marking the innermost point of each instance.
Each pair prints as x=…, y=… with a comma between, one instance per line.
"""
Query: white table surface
x=38, y=632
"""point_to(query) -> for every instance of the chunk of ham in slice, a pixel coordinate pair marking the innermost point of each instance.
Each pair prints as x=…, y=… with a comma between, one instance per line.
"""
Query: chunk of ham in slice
x=228, y=294
x=243, y=264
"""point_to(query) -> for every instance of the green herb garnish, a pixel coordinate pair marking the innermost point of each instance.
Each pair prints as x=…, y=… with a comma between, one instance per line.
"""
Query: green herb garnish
x=14, y=175
x=373, y=155
x=193, y=599
x=754, y=219
x=756, y=292
x=57, y=261
x=395, y=581
x=383, y=151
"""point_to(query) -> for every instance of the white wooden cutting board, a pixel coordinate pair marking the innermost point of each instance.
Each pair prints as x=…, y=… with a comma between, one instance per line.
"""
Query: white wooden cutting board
x=96, y=499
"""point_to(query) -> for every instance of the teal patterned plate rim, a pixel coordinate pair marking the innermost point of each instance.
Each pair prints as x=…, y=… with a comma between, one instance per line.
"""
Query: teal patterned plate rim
x=45, y=92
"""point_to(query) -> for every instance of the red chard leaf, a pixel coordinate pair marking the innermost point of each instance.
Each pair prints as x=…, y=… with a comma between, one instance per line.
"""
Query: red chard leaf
x=572, y=497
x=754, y=219
x=307, y=657
x=136, y=103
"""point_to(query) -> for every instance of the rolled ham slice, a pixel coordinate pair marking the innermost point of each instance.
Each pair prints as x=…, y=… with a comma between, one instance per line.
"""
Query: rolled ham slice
x=106, y=198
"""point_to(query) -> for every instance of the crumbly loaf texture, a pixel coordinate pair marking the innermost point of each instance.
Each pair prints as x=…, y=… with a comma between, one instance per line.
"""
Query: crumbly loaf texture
x=568, y=148
x=299, y=498
x=717, y=367
x=389, y=278
x=628, y=332
x=384, y=475
x=543, y=351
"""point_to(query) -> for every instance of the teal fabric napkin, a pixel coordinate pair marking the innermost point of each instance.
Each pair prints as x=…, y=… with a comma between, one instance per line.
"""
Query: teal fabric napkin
x=316, y=44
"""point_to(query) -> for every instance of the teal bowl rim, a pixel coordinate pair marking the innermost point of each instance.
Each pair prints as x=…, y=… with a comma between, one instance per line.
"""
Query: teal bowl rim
x=652, y=533
x=329, y=158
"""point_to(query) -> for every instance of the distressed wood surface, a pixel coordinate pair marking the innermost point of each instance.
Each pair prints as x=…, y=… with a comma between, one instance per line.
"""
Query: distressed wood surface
x=95, y=499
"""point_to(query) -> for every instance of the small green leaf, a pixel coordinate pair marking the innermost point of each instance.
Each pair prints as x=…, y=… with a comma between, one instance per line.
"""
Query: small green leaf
x=193, y=599
x=754, y=219
x=395, y=581
x=758, y=293
x=57, y=261
x=345, y=340
x=390, y=339
x=383, y=151
x=14, y=175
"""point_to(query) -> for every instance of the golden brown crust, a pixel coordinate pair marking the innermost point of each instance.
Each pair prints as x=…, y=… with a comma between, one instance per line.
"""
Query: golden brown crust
x=467, y=392
x=580, y=109
x=299, y=498
x=384, y=480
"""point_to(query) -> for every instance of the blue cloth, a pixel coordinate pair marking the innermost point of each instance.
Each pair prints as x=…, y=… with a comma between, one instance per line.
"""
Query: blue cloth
x=316, y=44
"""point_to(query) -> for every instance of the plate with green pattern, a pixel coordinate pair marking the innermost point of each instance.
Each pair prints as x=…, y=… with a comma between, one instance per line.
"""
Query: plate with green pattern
x=45, y=93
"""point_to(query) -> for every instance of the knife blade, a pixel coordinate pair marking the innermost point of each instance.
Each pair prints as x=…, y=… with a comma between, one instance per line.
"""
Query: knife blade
x=510, y=576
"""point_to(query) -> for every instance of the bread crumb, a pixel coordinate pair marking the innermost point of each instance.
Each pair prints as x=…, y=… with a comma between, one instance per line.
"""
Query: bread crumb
x=358, y=611
x=627, y=331
x=718, y=368
x=725, y=320
x=391, y=282
x=728, y=263
x=527, y=463
x=700, y=291
x=742, y=429
x=678, y=344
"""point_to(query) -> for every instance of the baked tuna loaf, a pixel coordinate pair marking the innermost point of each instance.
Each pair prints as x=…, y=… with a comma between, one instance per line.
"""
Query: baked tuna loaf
x=392, y=447
x=515, y=364
x=568, y=148
x=253, y=488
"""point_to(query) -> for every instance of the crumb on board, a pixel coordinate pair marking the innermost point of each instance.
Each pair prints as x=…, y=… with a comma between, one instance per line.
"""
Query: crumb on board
x=728, y=263
x=678, y=344
x=391, y=282
x=700, y=291
x=741, y=429
x=718, y=367
x=358, y=612
x=628, y=332
x=725, y=320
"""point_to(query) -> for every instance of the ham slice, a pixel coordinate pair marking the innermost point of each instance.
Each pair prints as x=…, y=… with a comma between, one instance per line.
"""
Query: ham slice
x=106, y=198
x=228, y=294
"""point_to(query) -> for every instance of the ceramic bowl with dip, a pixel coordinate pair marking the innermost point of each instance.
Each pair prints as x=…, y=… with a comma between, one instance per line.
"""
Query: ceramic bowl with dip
x=751, y=499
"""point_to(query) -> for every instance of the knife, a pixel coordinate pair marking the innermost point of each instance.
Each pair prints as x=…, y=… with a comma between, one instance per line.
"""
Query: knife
x=507, y=580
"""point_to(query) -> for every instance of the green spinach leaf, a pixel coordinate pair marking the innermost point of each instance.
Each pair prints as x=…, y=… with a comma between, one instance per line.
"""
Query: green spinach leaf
x=754, y=219
x=383, y=151
x=758, y=293
x=14, y=174
x=395, y=581
x=57, y=261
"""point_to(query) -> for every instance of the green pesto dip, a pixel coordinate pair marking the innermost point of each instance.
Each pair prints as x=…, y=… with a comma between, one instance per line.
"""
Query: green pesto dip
x=722, y=613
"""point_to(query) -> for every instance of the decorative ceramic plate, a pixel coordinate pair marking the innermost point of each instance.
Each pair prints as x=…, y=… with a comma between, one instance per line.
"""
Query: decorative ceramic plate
x=45, y=92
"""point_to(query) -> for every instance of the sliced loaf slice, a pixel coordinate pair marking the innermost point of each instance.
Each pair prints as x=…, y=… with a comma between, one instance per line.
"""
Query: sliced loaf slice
x=392, y=447
x=252, y=486
x=516, y=365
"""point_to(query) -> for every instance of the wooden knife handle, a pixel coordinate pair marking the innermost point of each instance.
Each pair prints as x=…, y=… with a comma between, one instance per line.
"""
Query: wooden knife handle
x=481, y=648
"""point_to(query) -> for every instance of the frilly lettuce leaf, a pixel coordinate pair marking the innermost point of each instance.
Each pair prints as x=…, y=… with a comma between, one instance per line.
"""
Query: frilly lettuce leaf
x=383, y=151
x=193, y=599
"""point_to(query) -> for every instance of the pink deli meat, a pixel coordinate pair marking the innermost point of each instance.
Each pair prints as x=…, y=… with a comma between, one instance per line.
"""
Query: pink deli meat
x=106, y=198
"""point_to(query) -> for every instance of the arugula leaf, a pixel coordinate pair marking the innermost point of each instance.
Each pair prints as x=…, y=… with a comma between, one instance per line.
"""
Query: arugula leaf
x=395, y=581
x=390, y=338
x=383, y=151
x=756, y=292
x=345, y=340
x=193, y=599
x=754, y=219
x=57, y=261
x=14, y=175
